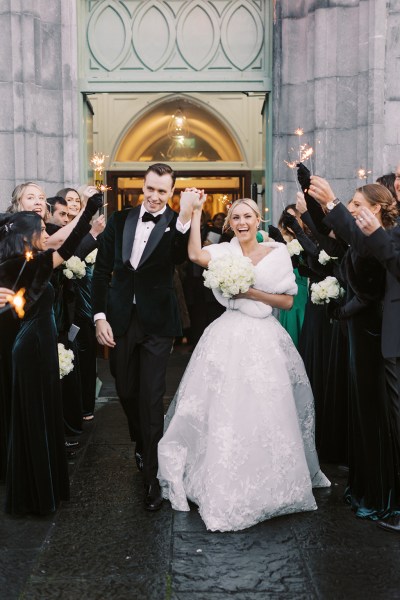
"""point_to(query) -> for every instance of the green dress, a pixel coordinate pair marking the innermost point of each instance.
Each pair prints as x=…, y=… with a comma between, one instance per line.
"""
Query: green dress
x=292, y=320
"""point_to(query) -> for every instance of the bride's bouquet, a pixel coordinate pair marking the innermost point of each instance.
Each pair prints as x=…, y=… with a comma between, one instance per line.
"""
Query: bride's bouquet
x=74, y=268
x=326, y=290
x=65, y=359
x=231, y=274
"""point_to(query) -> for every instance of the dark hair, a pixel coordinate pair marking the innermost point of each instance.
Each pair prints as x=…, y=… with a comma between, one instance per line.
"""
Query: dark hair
x=63, y=193
x=376, y=193
x=56, y=200
x=18, y=233
x=219, y=214
x=388, y=181
x=161, y=169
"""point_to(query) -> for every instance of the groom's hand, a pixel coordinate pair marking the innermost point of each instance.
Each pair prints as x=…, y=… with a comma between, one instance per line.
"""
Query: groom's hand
x=104, y=333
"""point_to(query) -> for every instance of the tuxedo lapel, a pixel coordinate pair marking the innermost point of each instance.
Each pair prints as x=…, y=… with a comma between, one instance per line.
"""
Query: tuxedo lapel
x=156, y=234
x=128, y=236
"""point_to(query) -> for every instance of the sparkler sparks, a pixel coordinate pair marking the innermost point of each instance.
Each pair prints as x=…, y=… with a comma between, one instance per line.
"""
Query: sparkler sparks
x=17, y=301
x=363, y=174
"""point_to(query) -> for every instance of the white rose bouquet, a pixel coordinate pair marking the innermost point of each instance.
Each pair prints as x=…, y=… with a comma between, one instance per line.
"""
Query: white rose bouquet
x=65, y=359
x=230, y=274
x=324, y=257
x=294, y=247
x=74, y=268
x=326, y=290
x=91, y=258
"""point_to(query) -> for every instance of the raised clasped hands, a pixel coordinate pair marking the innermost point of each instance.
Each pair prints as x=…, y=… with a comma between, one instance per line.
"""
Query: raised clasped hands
x=367, y=221
x=321, y=190
x=192, y=199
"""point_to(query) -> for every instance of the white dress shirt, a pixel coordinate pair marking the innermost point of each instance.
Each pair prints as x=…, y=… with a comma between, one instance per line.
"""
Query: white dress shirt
x=142, y=234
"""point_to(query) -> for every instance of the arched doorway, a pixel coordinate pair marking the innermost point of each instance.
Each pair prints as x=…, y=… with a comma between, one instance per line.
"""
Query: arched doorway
x=201, y=148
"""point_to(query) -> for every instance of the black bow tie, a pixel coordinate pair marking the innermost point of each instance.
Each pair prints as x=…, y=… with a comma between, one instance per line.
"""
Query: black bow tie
x=149, y=217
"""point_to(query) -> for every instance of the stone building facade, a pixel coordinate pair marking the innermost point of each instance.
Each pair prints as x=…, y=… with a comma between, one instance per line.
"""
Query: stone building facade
x=335, y=67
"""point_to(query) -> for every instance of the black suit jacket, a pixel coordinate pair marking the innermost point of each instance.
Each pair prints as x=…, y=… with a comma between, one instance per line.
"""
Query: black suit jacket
x=115, y=282
x=381, y=245
x=385, y=246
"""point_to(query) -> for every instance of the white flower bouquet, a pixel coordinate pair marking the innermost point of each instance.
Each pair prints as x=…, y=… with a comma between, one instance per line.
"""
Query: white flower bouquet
x=91, y=258
x=65, y=360
x=326, y=290
x=324, y=257
x=294, y=247
x=74, y=268
x=230, y=274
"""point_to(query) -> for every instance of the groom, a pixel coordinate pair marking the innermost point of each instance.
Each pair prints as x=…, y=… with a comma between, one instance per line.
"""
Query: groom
x=136, y=310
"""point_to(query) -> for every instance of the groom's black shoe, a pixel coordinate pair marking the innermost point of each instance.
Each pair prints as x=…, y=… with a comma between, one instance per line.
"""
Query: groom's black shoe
x=139, y=459
x=391, y=524
x=153, y=499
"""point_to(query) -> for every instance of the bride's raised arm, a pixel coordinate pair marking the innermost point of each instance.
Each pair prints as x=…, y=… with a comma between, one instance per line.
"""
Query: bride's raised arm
x=196, y=253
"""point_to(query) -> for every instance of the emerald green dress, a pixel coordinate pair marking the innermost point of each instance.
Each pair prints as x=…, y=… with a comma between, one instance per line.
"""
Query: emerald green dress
x=292, y=320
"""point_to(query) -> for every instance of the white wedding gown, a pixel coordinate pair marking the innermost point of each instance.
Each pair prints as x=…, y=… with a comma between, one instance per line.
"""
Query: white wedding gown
x=240, y=432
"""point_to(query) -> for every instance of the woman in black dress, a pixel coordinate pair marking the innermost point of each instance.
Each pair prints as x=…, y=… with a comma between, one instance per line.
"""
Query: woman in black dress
x=37, y=470
x=373, y=486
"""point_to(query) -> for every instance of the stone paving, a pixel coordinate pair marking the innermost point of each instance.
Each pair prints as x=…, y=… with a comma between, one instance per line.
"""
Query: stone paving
x=102, y=544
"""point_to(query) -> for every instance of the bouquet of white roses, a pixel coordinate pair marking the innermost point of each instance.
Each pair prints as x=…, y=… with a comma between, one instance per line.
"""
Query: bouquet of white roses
x=326, y=290
x=231, y=274
x=74, y=268
x=65, y=360
x=294, y=247
x=324, y=257
x=91, y=258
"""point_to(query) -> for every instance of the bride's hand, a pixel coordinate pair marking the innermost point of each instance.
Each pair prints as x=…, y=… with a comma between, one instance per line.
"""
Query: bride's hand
x=247, y=294
x=192, y=200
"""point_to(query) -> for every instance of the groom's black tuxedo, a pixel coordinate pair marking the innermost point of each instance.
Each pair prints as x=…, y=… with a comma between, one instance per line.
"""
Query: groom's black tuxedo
x=115, y=282
x=144, y=330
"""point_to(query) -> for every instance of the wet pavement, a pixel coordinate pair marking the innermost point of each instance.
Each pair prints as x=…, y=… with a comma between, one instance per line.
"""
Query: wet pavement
x=102, y=544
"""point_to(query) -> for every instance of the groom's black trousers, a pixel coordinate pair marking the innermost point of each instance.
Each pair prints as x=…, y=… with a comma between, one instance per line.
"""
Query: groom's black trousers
x=139, y=363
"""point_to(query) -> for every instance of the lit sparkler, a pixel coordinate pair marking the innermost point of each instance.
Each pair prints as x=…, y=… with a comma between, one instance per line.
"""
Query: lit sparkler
x=363, y=174
x=97, y=161
x=17, y=301
x=299, y=132
x=279, y=188
x=28, y=257
x=292, y=166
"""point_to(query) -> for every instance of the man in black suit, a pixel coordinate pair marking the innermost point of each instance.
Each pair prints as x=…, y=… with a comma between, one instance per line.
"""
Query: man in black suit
x=136, y=311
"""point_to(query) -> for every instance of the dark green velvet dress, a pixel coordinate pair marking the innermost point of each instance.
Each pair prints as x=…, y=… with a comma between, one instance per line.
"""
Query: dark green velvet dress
x=37, y=470
x=9, y=324
x=292, y=320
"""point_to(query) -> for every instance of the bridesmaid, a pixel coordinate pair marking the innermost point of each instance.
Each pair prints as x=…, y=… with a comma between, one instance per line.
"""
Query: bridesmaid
x=81, y=308
x=292, y=320
x=373, y=486
x=37, y=470
x=9, y=327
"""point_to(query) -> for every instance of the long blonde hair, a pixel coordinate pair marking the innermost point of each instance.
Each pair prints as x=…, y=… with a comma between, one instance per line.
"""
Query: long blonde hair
x=15, y=205
x=249, y=202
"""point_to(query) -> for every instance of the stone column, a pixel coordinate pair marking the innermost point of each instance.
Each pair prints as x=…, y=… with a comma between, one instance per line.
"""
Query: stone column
x=336, y=75
x=39, y=97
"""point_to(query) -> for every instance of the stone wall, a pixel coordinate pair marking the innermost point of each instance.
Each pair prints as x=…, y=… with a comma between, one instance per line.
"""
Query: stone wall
x=39, y=98
x=336, y=75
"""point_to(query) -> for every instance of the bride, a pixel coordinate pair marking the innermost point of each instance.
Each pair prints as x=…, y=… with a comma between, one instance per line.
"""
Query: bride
x=240, y=443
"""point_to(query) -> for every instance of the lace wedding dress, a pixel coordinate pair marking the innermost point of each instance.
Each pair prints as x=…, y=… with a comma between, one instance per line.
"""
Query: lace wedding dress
x=240, y=432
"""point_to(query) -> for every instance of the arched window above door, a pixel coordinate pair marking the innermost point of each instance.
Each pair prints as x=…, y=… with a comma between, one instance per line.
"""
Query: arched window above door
x=205, y=138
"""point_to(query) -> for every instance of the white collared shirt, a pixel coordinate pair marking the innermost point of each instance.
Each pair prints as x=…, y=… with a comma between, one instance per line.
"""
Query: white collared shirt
x=142, y=234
